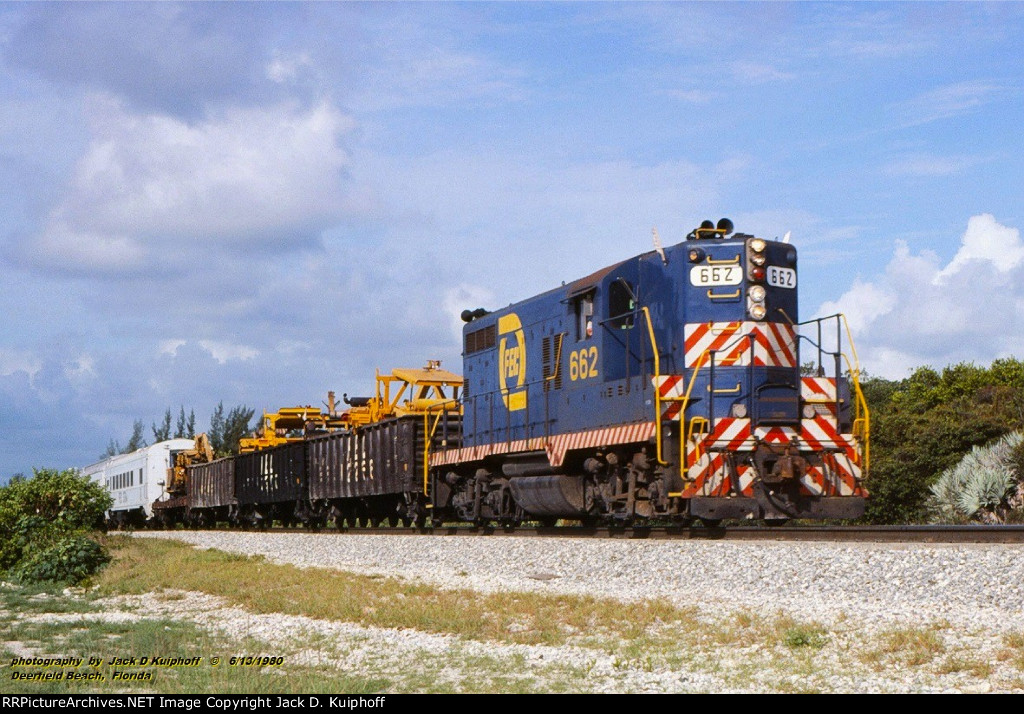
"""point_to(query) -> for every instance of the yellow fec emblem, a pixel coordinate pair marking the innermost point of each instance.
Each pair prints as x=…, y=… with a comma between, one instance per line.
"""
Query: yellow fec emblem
x=512, y=362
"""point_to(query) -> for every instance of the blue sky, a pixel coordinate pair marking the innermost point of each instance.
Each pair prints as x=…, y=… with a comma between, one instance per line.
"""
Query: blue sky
x=258, y=203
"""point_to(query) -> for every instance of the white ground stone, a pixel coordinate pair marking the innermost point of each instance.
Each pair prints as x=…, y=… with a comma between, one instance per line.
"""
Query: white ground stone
x=876, y=584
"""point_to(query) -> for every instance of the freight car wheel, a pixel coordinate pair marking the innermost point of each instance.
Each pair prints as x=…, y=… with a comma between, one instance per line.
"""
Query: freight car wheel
x=711, y=522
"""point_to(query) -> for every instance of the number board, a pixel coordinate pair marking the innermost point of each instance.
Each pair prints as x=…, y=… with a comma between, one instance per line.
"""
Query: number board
x=781, y=277
x=716, y=275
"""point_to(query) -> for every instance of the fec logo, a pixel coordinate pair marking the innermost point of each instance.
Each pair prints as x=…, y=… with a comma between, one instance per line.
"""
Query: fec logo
x=512, y=362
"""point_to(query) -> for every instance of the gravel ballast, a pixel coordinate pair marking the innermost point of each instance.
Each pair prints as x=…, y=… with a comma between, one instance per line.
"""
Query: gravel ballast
x=964, y=585
x=966, y=602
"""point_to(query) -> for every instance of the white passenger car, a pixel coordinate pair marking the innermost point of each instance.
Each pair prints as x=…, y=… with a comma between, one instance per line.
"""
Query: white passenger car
x=136, y=480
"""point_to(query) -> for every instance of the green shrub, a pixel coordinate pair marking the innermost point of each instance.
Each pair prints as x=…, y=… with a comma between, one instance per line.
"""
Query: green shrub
x=71, y=559
x=64, y=498
x=43, y=525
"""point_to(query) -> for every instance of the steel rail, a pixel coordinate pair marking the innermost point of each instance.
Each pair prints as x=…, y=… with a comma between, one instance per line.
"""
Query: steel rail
x=863, y=534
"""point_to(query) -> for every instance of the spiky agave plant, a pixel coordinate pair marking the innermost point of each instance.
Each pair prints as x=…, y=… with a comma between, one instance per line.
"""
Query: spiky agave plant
x=984, y=492
x=978, y=485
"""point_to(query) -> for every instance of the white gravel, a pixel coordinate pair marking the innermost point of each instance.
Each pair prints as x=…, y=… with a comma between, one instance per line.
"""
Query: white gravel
x=968, y=598
x=967, y=586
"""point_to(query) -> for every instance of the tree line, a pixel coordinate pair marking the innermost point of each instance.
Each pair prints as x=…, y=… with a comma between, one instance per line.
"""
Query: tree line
x=224, y=432
x=925, y=424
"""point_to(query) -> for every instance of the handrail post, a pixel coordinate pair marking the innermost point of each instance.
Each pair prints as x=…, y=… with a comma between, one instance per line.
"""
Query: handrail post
x=711, y=390
x=657, y=387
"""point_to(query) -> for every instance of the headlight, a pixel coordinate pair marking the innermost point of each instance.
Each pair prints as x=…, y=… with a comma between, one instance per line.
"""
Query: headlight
x=809, y=411
x=757, y=293
x=739, y=410
x=758, y=311
x=758, y=259
x=757, y=245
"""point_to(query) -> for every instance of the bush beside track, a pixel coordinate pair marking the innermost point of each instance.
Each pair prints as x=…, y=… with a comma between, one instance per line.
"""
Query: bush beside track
x=47, y=527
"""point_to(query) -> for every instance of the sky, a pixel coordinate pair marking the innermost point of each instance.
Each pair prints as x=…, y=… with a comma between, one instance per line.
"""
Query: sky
x=257, y=203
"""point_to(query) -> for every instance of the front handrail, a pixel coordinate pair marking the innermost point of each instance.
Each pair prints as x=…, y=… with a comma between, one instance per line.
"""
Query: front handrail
x=862, y=415
x=657, y=386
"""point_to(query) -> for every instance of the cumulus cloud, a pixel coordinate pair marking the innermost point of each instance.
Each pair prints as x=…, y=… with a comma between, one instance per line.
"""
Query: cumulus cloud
x=285, y=67
x=12, y=361
x=223, y=351
x=923, y=312
x=165, y=57
x=988, y=242
x=151, y=188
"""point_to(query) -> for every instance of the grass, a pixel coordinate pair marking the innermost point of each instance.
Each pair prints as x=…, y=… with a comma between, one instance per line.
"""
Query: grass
x=93, y=638
x=906, y=646
x=797, y=636
x=624, y=646
x=1013, y=650
x=145, y=565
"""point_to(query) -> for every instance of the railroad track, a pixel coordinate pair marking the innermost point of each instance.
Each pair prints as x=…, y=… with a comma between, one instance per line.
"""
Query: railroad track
x=865, y=534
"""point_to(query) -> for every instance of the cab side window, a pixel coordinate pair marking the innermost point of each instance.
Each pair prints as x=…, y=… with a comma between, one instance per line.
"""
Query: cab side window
x=620, y=305
x=585, y=317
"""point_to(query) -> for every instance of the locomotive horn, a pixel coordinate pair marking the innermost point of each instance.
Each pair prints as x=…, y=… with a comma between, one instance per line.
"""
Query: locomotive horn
x=725, y=226
x=707, y=226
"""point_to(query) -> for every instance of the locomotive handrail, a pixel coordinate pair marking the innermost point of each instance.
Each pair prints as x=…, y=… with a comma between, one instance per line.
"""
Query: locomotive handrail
x=709, y=357
x=682, y=412
x=657, y=386
x=862, y=415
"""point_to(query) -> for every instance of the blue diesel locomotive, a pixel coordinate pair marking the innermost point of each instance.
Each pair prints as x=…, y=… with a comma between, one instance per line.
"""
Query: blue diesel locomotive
x=666, y=386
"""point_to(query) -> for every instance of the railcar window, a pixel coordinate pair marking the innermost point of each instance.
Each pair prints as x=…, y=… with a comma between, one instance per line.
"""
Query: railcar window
x=585, y=317
x=621, y=305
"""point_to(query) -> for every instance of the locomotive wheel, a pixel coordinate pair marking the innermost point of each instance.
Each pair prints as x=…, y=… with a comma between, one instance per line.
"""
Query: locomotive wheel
x=393, y=521
x=775, y=522
x=711, y=522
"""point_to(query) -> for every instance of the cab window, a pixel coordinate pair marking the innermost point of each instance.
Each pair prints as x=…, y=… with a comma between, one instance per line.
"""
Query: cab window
x=620, y=305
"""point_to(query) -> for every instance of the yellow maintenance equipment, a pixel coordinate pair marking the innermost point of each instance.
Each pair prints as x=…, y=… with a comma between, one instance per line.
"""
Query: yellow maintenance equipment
x=177, y=475
x=407, y=391
x=290, y=424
